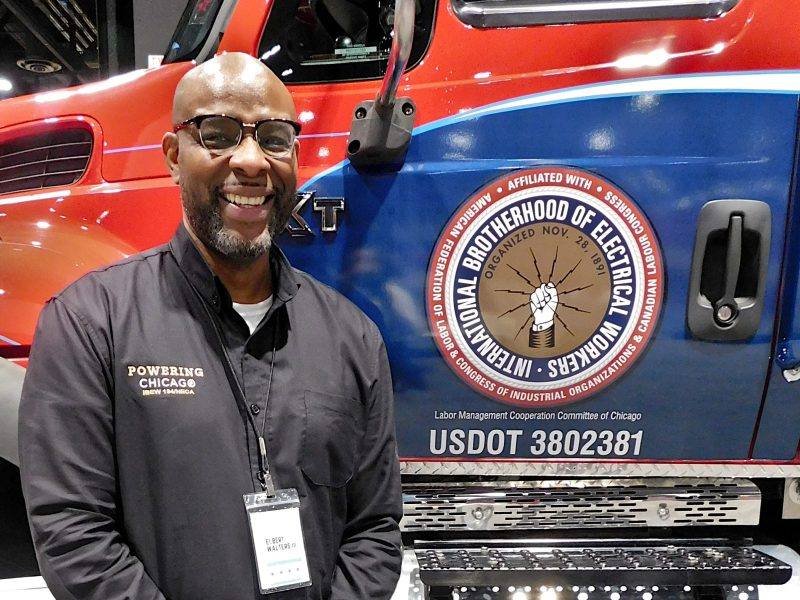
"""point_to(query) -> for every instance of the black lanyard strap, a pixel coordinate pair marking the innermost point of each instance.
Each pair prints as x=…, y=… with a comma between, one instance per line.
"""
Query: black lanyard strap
x=264, y=475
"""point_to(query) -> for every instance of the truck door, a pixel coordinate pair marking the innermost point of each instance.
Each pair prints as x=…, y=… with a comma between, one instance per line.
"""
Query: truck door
x=580, y=257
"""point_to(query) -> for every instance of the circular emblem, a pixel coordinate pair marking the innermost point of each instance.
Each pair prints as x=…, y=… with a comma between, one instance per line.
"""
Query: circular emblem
x=545, y=286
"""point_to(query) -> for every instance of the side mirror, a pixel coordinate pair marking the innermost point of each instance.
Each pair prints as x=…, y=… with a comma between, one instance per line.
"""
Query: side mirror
x=381, y=129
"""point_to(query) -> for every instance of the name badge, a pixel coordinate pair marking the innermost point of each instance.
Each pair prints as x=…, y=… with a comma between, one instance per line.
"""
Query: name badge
x=277, y=537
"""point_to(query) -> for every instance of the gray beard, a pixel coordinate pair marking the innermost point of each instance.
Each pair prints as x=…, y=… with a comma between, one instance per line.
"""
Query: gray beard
x=205, y=220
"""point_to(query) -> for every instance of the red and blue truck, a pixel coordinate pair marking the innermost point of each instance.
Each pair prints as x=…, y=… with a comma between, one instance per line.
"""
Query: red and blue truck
x=576, y=224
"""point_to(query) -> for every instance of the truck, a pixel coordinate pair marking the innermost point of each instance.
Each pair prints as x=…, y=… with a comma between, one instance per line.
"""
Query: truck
x=576, y=225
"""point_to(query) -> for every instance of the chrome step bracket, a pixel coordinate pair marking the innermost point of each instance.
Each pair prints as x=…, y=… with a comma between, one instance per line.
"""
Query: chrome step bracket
x=580, y=562
x=579, y=503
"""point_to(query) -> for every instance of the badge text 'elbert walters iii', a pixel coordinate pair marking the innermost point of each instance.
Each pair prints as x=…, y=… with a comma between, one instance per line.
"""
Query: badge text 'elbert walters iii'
x=544, y=287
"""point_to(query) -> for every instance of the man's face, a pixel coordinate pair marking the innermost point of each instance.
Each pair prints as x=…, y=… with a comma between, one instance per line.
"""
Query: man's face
x=236, y=203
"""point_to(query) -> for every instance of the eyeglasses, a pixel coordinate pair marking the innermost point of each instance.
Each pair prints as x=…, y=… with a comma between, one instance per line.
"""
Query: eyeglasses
x=222, y=134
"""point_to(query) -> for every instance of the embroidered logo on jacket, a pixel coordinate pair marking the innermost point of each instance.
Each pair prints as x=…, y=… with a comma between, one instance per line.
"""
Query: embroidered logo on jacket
x=165, y=380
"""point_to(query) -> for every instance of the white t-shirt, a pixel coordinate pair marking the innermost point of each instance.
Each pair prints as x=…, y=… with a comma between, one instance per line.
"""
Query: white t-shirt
x=253, y=313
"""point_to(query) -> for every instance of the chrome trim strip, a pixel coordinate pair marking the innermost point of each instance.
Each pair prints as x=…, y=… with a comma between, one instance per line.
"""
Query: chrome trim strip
x=516, y=13
x=566, y=468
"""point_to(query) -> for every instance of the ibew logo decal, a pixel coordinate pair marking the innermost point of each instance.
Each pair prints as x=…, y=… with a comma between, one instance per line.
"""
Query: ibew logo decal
x=545, y=286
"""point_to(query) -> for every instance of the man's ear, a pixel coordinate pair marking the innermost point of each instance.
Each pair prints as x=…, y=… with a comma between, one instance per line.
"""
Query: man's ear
x=169, y=146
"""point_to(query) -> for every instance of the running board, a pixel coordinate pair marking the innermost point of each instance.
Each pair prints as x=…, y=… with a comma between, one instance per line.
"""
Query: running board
x=591, y=562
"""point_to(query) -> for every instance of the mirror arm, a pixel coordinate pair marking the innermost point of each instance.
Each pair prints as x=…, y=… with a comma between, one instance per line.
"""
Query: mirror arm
x=402, y=40
x=380, y=132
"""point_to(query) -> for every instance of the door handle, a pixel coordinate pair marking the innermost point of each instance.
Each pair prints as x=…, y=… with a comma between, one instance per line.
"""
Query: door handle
x=729, y=270
x=725, y=308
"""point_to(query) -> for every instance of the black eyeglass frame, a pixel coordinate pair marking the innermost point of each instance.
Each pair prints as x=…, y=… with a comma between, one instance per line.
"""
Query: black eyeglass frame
x=197, y=120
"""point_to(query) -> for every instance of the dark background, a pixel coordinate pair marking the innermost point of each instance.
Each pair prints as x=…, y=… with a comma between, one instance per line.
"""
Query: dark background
x=16, y=550
x=49, y=44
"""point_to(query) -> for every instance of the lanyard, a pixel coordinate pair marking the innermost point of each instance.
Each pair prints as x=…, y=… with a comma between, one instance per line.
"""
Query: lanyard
x=264, y=475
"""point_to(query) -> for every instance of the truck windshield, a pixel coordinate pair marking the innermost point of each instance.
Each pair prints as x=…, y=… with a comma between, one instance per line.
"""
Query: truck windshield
x=196, y=23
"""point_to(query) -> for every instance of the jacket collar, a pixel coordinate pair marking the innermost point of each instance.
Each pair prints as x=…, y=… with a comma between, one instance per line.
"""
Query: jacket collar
x=210, y=287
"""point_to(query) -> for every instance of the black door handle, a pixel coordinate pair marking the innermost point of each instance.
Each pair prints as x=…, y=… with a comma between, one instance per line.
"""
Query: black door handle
x=729, y=270
x=725, y=308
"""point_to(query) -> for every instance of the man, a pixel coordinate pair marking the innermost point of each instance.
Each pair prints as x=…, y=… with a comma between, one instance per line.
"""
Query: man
x=163, y=389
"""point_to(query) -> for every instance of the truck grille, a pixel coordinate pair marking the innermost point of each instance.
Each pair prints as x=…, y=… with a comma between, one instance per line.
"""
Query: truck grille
x=44, y=160
x=579, y=504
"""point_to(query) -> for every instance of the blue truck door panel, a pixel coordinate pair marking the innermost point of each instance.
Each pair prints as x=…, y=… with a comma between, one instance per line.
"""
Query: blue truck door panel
x=670, y=152
x=778, y=430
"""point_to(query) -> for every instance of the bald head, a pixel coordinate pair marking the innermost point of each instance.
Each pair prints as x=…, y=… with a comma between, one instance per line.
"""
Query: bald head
x=235, y=199
x=226, y=78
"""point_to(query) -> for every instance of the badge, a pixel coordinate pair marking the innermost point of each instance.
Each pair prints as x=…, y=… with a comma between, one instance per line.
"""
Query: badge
x=545, y=287
x=277, y=540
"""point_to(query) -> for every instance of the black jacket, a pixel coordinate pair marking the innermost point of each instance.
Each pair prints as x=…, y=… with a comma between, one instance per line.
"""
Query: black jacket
x=136, y=449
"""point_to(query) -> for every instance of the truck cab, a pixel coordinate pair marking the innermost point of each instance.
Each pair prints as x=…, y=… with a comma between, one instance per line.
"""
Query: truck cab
x=575, y=224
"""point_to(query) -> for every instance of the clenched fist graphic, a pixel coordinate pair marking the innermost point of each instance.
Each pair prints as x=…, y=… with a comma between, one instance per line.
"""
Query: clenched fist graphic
x=544, y=302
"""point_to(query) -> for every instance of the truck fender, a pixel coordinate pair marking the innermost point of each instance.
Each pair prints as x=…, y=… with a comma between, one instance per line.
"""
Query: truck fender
x=37, y=263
